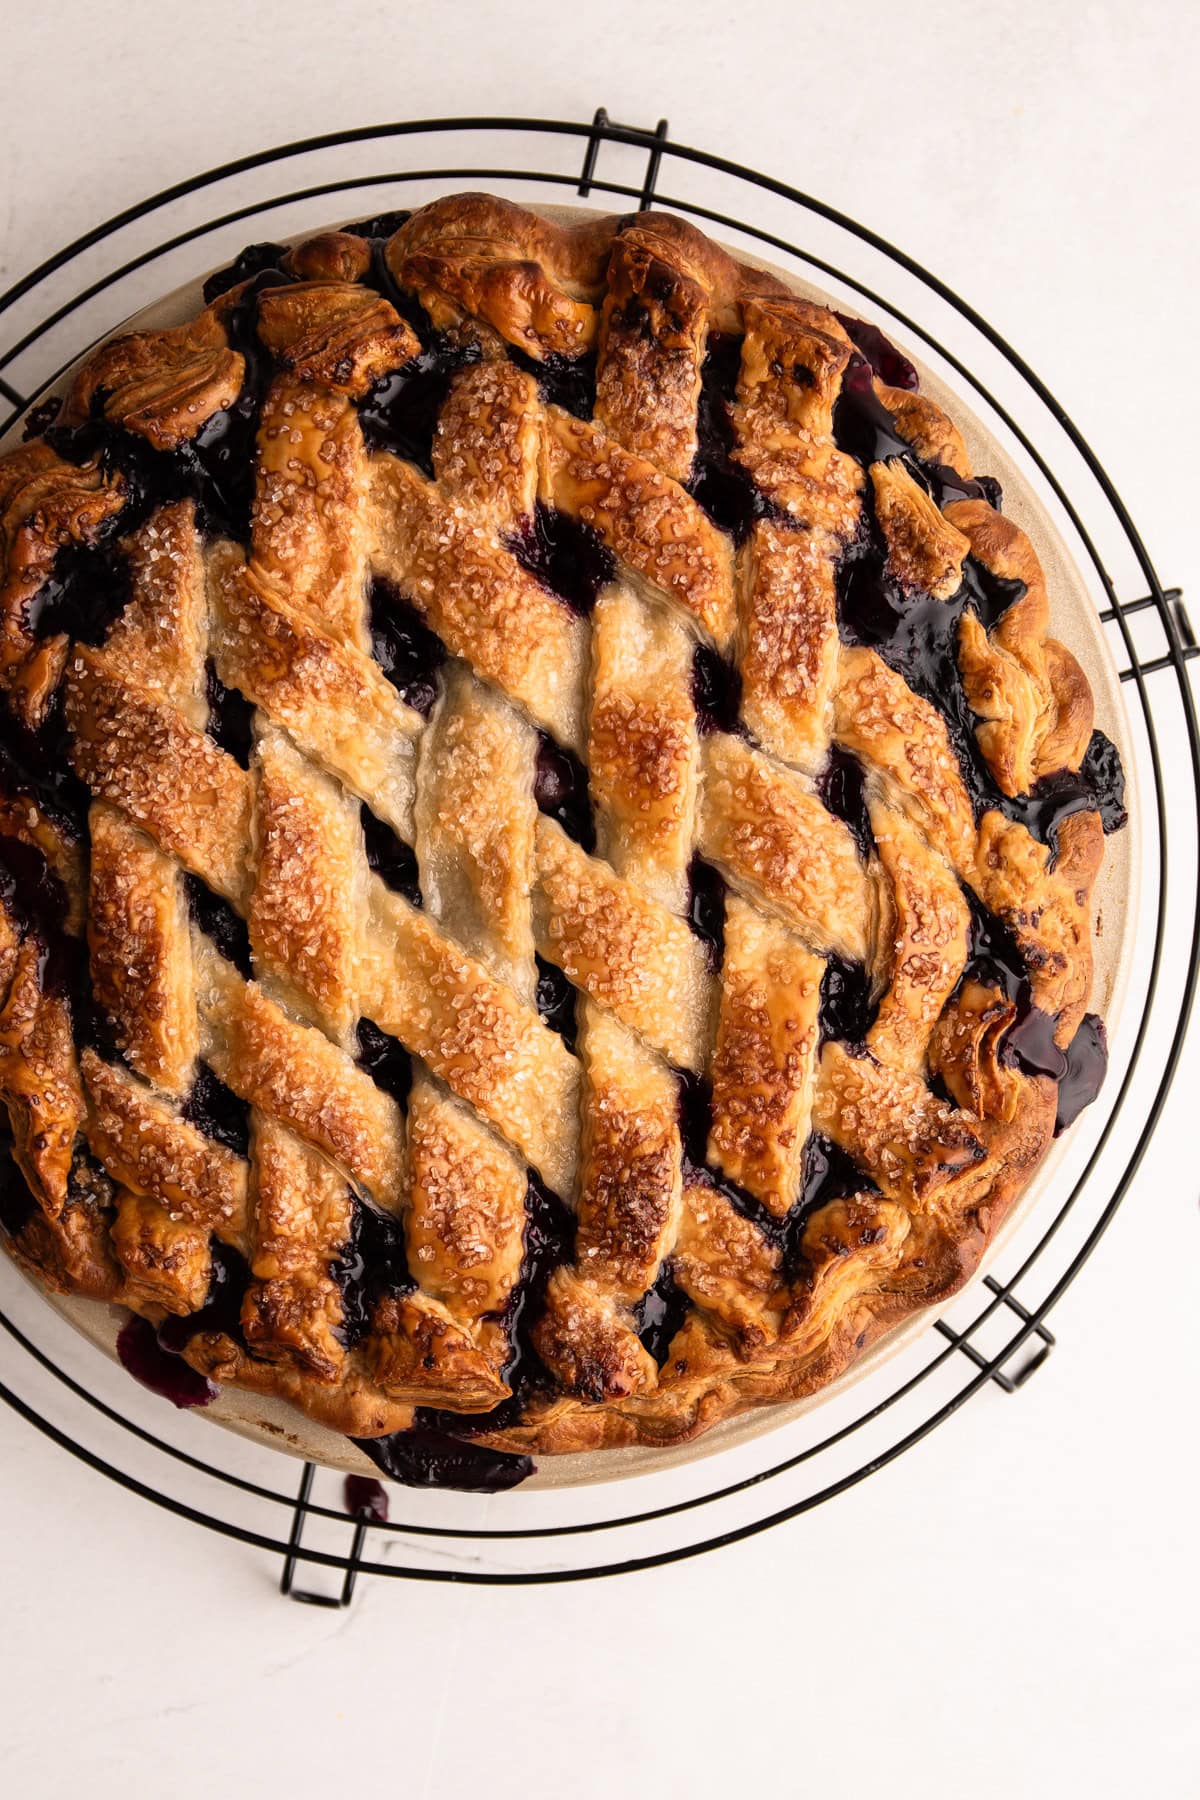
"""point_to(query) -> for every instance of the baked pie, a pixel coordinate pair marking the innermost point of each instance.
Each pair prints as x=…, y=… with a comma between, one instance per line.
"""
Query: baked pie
x=546, y=846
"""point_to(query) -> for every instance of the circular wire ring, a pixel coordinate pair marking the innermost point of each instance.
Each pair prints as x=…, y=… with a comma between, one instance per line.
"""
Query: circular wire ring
x=661, y=150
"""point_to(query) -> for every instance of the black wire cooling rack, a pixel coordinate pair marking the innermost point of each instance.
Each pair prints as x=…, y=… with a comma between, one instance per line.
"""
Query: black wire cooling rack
x=997, y=1331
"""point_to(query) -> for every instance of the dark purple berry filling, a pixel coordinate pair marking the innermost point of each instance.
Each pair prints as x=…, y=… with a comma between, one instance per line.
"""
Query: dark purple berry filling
x=556, y=1001
x=364, y=1498
x=162, y=1371
x=218, y=921
x=218, y=1112
x=394, y=861
x=409, y=654
x=716, y=692
x=230, y=718
x=566, y=555
x=385, y=1060
x=560, y=787
x=426, y=1457
x=706, y=907
x=401, y=412
x=880, y=352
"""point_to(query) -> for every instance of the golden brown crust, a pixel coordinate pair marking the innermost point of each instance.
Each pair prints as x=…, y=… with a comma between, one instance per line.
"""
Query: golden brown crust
x=660, y=536
x=477, y=597
x=904, y=742
x=166, y=1262
x=490, y=1048
x=39, y=1075
x=466, y=1213
x=163, y=385
x=334, y=334
x=764, y=1059
x=139, y=754
x=495, y=1091
x=45, y=505
x=775, y=843
x=652, y=332
x=146, y=1145
x=626, y=952
x=139, y=943
x=302, y=1220
x=924, y=551
x=475, y=826
x=643, y=749
x=309, y=880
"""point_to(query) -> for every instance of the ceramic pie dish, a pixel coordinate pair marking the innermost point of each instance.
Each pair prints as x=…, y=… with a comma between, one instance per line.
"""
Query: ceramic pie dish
x=556, y=835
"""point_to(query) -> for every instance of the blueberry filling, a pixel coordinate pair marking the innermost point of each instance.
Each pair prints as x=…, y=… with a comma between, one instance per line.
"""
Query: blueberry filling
x=379, y=276
x=222, y=1309
x=1097, y=786
x=381, y=226
x=17, y=1204
x=32, y=892
x=385, y=1060
x=883, y=356
x=865, y=429
x=365, y=1499
x=218, y=921
x=947, y=485
x=840, y=788
x=1086, y=1067
x=37, y=763
x=725, y=490
x=216, y=468
x=426, y=1457
x=706, y=908
x=163, y=1371
x=254, y=260
x=994, y=957
x=716, y=692
x=40, y=418
x=994, y=960
x=990, y=595
x=88, y=589
x=847, y=1010
x=659, y=1314
x=560, y=787
x=409, y=654
x=218, y=1112
x=556, y=1002
x=371, y=1266
x=401, y=412
x=220, y=462
x=830, y=1173
x=390, y=857
x=566, y=381
x=565, y=554
x=230, y=718
x=862, y=425
x=34, y=896
x=918, y=637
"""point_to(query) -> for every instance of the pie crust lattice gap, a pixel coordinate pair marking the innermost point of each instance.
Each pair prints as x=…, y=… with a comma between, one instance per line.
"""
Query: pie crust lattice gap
x=548, y=846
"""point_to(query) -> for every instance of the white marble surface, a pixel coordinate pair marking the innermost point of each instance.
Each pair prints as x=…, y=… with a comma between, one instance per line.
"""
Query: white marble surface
x=1011, y=1608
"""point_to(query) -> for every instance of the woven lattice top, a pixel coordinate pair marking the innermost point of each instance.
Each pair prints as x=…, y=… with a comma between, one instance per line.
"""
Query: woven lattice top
x=549, y=849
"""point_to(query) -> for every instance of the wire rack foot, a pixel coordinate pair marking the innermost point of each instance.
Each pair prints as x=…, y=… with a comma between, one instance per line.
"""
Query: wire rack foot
x=1036, y=1329
x=287, y=1581
x=602, y=130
